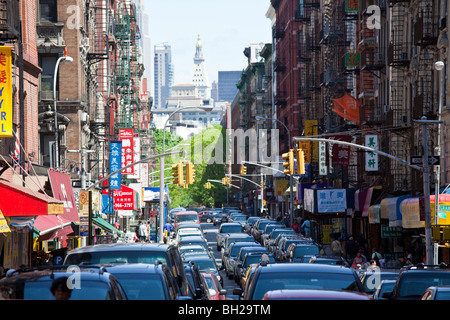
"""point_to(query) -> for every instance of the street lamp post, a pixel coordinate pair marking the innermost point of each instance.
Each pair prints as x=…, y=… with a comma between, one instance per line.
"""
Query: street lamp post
x=161, y=170
x=68, y=59
x=291, y=180
x=439, y=66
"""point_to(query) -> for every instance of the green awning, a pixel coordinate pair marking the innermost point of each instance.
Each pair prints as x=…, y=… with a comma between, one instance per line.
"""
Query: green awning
x=105, y=225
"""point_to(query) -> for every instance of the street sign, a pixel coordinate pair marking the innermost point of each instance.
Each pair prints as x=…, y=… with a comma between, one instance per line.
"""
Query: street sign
x=432, y=160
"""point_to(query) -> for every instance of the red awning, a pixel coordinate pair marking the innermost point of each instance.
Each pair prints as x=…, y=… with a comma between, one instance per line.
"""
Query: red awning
x=16, y=200
x=62, y=190
x=60, y=234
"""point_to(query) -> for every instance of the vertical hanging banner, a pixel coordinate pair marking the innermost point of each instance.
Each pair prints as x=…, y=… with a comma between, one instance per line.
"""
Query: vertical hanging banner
x=322, y=159
x=115, y=149
x=5, y=92
x=126, y=136
x=372, y=157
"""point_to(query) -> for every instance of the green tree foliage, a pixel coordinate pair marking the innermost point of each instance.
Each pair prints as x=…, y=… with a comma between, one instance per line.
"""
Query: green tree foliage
x=205, y=153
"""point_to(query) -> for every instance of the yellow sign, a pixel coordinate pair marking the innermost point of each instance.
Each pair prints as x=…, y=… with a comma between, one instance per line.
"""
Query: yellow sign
x=5, y=92
x=3, y=224
x=312, y=151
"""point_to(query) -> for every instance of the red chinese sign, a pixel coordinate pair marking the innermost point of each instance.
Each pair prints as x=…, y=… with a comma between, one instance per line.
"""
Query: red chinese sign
x=341, y=153
x=126, y=136
x=351, y=5
x=124, y=198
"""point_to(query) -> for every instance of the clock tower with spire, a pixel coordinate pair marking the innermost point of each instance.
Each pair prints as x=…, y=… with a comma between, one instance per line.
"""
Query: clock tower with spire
x=199, y=74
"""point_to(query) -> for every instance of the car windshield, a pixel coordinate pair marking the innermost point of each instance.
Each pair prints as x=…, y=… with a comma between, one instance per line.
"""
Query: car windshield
x=240, y=218
x=301, y=251
x=231, y=228
x=186, y=218
x=415, y=284
x=89, y=290
x=206, y=265
x=255, y=259
x=303, y=280
x=275, y=233
x=263, y=224
x=235, y=248
x=190, y=243
x=142, y=286
x=106, y=257
x=189, y=249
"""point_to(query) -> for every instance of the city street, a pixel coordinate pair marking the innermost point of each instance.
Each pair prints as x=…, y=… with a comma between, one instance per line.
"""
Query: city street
x=210, y=234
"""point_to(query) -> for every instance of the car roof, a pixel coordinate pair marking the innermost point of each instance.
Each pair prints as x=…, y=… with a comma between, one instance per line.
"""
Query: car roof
x=239, y=236
x=92, y=273
x=186, y=212
x=134, y=268
x=305, y=267
x=135, y=246
x=321, y=294
x=193, y=238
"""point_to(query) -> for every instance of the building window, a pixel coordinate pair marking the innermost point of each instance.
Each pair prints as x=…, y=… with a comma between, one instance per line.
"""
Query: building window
x=48, y=11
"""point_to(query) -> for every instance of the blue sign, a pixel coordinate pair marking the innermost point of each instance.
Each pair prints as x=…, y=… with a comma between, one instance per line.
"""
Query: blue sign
x=307, y=169
x=115, y=149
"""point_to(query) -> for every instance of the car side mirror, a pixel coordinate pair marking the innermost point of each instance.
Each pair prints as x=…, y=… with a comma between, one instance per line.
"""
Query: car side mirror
x=237, y=292
x=222, y=267
x=223, y=292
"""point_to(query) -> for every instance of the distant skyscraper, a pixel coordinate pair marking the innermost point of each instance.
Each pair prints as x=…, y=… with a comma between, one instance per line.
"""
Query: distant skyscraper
x=227, y=84
x=163, y=74
x=199, y=74
x=214, y=91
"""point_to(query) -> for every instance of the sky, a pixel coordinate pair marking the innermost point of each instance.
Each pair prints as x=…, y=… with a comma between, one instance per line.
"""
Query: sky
x=226, y=28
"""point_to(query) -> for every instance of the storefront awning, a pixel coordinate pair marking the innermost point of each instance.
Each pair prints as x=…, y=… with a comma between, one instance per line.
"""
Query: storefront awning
x=362, y=201
x=390, y=208
x=60, y=233
x=20, y=201
x=106, y=226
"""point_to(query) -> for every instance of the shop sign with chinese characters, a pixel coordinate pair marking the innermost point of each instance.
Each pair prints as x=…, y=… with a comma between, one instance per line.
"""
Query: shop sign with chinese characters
x=322, y=158
x=5, y=92
x=371, y=157
x=126, y=136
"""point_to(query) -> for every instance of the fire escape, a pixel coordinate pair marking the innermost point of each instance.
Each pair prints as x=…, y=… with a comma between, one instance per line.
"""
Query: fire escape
x=398, y=118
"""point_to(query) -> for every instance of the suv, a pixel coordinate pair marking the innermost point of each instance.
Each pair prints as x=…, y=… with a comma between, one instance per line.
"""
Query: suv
x=147, y=281
x=89, y=283
x=131, y=253
x=226, y=228
x=412, y=282
x=296, y=251
x=280, y=276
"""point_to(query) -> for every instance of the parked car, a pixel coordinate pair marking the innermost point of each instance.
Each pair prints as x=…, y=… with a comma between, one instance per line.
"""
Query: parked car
x=216, y=291
x=331, y=260
x=436, y=293
x=115, y=253
x=384, y=286
x=192, y=249
x=312, y=294
x=249, y=259
x=226, y=228
x=281, y=276
x=231, y=254
x=91, y=283
x=258, y=227
x=249, y=224
x=147, y=281
x=282, y=243
x=414, y=281
x=296, y=251
x=233, y=237
x=267, y=230
x=186, y=217
x=371, y=280
x=205, y=263
x=197, y=286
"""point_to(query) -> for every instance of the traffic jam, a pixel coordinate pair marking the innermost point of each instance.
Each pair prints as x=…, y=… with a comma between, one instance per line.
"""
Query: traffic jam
x=222, y=254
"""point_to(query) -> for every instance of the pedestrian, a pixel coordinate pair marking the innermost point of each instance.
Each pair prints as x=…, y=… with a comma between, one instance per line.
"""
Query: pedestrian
x=142, y=232
x=306, y=227
x=408, y=255
x=167, y=228
x=279, y=217
x=336, y=248
x=357, y=260
x=351, y=248
x=295, y=226
x=60, y=290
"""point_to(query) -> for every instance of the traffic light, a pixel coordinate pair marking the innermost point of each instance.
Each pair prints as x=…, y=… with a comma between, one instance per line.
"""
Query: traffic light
x=289, y=164
x=178, y=174
x=243, y=170
x=300, y=155
x=226, y=180
x=208, y=185
x=190, y=173
x=262, y=184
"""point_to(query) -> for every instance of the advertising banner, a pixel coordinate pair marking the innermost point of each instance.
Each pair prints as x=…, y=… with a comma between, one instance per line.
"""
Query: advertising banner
x=372, y=157
x=5, y=92
x=126, y=136
x=124, y=199
x=331, y=200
